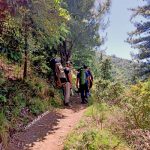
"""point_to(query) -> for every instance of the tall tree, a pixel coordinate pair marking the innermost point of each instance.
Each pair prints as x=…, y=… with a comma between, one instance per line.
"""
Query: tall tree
x=84, y=26
x=140, y=37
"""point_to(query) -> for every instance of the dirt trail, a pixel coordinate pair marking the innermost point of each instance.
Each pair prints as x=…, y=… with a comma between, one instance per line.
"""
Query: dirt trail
x=50, y=131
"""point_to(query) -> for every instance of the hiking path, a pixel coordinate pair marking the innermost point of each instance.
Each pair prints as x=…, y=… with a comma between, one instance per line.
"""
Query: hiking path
x=50, y=131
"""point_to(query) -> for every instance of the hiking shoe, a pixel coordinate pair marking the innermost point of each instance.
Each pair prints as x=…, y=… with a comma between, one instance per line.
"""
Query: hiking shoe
x=68, y=104
x=83, y=102
x=86, y=101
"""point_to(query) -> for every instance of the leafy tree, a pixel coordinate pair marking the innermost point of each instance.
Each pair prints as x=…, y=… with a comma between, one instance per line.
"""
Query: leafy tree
x=85, y=23
x=11, y=39
x=39, y=25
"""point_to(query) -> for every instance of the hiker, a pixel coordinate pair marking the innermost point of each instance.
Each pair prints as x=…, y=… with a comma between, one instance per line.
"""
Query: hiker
x=62, y=80
x=68, y=72
x=82, y=83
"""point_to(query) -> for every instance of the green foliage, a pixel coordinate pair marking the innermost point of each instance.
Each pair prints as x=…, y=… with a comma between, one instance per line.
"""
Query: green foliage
x=96, y=108
x=107, y=88
x=4, y=127
x=98, y=112
x=124, y=70
x=81, y=124
x=15, y=114
x=89, y=134
x=3, y=91
x=36, y=32
x=93, y=139
x=119, y=69
x=3, y=99
x=140, y=37
x=11, y=39
x=37, y=106
x=21, y=100
x=85, y=24
x=34, y=26
x=103, y=66
x=105, y=69
x=54, y=103
x=137, y=100
x=107, y=91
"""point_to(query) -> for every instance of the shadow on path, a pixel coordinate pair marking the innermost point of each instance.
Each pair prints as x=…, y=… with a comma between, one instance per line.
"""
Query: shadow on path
x=46, y=126
x=37, y=132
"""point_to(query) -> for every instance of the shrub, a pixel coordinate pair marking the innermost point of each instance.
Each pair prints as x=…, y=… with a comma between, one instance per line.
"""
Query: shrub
x=38, y=106
x=19, y=100
x=137, y=100
x=107, y=90
x=94, y=139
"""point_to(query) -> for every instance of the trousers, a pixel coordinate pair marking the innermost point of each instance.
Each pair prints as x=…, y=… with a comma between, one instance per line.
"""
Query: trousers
x=66, y=91
x=84, y=92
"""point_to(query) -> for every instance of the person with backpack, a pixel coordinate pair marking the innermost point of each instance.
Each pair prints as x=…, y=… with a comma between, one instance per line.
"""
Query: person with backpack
x=82, y=83
x=61, y=79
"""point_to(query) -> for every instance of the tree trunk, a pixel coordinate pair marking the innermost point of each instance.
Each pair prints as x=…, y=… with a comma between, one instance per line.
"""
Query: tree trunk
x=65, y=51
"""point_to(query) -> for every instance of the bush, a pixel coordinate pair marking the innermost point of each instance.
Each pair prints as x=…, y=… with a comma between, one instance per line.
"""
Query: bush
x=137, y=100
x=38, y=106
x=98, y=112
x=107, y=90
x=94, y=139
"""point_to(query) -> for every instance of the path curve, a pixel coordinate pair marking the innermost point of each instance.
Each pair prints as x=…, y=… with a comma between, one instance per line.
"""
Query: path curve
x=50, y=131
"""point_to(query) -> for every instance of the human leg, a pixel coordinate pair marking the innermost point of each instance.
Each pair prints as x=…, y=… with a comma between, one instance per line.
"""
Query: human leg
x=82, y=90
x=86, y=93
x=67, y=93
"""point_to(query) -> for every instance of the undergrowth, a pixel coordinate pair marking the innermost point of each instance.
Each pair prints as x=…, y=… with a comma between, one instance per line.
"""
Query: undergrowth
x=92, y=133
x=118, y=119
x=21, y=101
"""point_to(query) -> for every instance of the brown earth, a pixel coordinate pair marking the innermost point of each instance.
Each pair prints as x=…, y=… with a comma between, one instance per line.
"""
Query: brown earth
x=50, y=131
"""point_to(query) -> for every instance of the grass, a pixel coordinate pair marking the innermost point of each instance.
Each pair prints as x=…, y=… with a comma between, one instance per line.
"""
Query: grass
x=4, y=127
x=92, y=132
x=94, y=139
